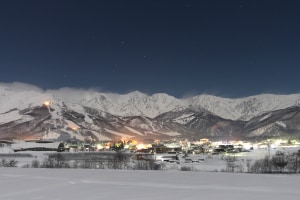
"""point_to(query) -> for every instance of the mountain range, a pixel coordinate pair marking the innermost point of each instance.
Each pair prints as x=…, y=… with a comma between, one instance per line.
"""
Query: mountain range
x=86, y=114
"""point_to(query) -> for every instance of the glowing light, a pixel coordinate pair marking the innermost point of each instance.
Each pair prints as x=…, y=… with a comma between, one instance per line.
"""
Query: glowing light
x=140, y=146
x=134, y=142
x=100, y=147
x=46, y=103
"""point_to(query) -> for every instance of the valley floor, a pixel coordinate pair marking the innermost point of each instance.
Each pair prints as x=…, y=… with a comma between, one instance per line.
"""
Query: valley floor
x=79, y=184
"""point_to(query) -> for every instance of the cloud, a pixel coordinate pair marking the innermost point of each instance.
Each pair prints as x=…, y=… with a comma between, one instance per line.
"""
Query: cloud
x=81, y=94
x=78, y=94
x=18, y=86
x=75, y=94
x=189, y=94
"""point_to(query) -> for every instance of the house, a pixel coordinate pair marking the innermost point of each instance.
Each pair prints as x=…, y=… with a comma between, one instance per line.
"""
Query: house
x=204, y=141
x=38, y=145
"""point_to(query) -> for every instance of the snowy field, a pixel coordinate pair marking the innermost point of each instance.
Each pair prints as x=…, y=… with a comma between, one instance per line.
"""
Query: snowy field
x=205, y=181
x=216, y=163
x=79, y=184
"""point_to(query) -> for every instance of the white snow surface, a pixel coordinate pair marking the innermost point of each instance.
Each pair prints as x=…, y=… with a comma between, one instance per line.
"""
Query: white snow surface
x=139, y=104
x=118, y=133
x=171, y=133
x=280, y=123
x=23, y=144
x=13, y=116
x=100, y=137
x=266, y=117
x=134, y=131
x=184, y=119
x=51, y=136
x=78, y=184
x=72, y=125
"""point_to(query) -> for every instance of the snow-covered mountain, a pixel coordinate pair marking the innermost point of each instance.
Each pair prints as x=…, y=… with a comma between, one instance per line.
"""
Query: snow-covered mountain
x=85, y=113
x=140, y=104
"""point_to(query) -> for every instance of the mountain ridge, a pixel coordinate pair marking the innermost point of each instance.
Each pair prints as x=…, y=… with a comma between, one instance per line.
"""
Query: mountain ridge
x=84, y=113
x=140, y=104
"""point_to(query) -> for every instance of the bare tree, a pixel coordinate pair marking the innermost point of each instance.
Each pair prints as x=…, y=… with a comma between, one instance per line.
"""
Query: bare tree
x=293, y=160
x=279, y=161
x=35, y=164
x=8, y=163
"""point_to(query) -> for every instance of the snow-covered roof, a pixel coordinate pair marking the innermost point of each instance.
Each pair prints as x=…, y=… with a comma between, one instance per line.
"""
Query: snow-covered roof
x=33, y=144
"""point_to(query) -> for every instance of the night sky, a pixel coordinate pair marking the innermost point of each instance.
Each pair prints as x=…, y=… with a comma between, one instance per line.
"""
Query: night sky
x=229, y=48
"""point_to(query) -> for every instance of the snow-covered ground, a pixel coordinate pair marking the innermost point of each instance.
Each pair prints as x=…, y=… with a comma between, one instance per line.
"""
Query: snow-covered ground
x=61, y=184
x=205, y=181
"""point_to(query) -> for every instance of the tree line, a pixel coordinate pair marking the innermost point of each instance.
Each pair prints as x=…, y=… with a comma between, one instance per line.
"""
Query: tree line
x=118, y=160
x=279, y=163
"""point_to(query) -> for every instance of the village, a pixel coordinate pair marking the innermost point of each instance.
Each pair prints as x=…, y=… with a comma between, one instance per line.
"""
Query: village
x=202, y=155
x=151, y=146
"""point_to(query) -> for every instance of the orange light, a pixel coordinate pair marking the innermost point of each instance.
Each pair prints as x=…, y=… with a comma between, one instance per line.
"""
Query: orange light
x=74, y=128
x=46, y=103
x=133, y=142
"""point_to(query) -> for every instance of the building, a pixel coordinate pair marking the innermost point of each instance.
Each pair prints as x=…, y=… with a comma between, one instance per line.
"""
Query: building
x=39, y=145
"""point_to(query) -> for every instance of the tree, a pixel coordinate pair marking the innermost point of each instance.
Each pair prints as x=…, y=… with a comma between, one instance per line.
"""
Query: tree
x=35, y=164
x=262, y=165
x=293, y=160
x=279, y=160
x=8, y=163
x=55, y=160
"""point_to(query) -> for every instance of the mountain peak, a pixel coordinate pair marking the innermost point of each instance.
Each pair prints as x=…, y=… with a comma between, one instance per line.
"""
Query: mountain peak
x=80, y=113
x=136, y=103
